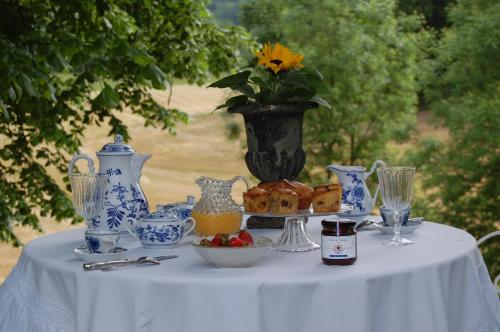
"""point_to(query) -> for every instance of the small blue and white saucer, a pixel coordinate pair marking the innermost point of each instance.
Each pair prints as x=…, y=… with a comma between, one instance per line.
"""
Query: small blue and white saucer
x=410, y=227
x=83, y=253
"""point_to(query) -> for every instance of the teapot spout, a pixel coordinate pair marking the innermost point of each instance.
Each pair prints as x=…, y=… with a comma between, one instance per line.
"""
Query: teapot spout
x=138, y=161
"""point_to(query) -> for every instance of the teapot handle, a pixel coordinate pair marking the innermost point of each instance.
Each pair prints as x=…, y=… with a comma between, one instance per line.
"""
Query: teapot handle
x=190, y=229
x=76, y=157
x=376, y=164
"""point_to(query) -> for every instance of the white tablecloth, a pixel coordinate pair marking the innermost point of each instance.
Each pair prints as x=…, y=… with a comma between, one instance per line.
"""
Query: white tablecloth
x=438, y=284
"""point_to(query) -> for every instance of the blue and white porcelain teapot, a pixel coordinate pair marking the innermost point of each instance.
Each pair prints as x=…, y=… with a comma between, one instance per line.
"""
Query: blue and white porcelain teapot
x=124, y=200
x=354, y=189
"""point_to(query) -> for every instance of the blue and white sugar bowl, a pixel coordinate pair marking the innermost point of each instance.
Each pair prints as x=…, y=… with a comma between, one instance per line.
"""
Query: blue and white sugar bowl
x=161, y=230
x=182, y=209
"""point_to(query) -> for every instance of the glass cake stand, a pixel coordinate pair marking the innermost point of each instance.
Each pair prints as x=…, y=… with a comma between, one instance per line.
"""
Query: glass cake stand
x=295, y=237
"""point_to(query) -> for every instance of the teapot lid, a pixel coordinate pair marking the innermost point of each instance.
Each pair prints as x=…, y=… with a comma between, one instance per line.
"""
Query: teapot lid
x=117, y=148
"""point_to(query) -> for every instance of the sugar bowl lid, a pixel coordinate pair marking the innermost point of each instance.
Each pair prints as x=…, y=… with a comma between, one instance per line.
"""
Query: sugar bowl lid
x=117, y=148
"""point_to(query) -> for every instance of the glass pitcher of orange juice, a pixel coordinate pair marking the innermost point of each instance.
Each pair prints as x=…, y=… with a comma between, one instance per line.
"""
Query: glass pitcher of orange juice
x=216, y=211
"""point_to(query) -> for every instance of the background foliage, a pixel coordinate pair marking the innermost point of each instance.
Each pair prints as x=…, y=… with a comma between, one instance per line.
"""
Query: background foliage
x=67, y=64
x=460, y=175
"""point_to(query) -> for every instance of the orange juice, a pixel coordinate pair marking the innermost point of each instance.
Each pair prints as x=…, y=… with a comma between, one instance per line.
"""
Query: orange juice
x=211, y=224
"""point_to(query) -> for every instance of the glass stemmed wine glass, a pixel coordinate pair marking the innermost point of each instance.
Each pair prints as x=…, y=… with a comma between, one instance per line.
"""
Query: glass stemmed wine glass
x=396, y=187
x=88, y=194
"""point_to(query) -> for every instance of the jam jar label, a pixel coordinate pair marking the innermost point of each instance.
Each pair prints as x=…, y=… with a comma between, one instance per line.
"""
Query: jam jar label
x=338, y=247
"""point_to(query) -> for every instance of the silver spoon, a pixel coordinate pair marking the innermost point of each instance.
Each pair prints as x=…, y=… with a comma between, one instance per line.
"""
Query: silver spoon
x=367, y=222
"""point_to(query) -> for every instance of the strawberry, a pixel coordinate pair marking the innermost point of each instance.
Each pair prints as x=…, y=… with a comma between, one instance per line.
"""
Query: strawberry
x=206, y=243
x=216, y=241
x=236, y=242
x=246, y=236
x=220, y=240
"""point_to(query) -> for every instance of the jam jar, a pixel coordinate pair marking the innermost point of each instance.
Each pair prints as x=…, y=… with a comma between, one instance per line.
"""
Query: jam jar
x=338, y=242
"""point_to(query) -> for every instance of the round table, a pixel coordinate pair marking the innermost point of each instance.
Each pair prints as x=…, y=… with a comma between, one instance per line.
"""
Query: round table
x=438, y=284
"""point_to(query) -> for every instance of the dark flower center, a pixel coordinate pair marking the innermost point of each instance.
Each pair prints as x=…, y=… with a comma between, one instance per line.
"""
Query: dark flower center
x=276, y=61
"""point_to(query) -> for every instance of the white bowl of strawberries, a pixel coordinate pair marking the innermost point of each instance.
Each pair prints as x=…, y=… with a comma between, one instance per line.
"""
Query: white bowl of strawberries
x=224, y=250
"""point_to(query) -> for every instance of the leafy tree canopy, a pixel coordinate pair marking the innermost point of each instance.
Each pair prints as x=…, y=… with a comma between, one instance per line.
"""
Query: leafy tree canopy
x=460, y=174
x=66, y=65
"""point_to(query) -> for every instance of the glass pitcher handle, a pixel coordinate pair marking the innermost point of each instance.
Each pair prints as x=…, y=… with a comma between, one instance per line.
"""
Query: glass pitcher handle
x=244, y=179
x=76, y=157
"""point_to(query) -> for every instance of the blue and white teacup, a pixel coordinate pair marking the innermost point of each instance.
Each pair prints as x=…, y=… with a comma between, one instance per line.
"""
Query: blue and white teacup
x=161, y=230
x=101, y=241
x=388, y=216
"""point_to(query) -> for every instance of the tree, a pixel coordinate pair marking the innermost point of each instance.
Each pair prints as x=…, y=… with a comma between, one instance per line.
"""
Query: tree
x=263, y=19
x=460, y=173
x=434, y=11
x=65, y=65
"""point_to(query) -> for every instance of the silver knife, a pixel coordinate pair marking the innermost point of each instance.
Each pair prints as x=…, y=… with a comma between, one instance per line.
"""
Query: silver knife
x=125, y=262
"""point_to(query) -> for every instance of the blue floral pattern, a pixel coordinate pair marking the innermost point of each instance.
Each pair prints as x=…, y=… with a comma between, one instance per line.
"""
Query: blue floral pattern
x=159, y=233
x=354, y=193
x=121, y=203
x=93, y=244
x=114, y=148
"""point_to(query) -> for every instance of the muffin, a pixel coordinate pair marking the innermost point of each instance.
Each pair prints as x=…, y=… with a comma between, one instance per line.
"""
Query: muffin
x=305, y=195
x=256, y=200
x=283, y=184
x=284, y=201
x=327, y=198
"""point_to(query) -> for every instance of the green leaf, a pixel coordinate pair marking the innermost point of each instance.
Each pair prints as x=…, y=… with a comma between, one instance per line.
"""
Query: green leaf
x=108, y=98
x=246, y=89
x=19, y=90
x=158, y=79
x=258, y=81
x=233, y=102
x=107, y=23
x=79, y=59
x=231, y=81
x=3, y=108
x=28, y=86
x=140, y=57
x=50, y=93
x=12, y=93
x=321, y=102
x=148, y=4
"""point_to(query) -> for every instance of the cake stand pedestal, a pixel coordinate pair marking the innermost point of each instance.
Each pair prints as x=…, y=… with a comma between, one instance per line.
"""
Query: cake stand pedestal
x=295, y=237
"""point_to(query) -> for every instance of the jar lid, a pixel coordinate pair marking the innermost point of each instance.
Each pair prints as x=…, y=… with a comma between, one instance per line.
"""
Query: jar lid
x=333, y=222
x=117, y=148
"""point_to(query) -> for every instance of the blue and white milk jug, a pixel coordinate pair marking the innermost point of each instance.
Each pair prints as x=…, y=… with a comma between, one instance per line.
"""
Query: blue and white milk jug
x=124, y=200
x=354, y=189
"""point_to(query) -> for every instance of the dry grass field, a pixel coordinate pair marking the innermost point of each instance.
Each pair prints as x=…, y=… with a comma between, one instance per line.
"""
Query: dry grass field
x=199, y=148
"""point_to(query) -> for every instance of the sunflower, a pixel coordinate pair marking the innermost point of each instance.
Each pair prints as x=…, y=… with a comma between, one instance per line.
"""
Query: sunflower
x=279, y=58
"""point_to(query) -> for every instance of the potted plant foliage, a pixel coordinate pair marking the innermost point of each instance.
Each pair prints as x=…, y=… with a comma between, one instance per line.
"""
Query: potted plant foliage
x=275, y=90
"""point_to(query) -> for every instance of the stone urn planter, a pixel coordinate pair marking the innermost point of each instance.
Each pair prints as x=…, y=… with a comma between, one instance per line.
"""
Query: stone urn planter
x=274, y=139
